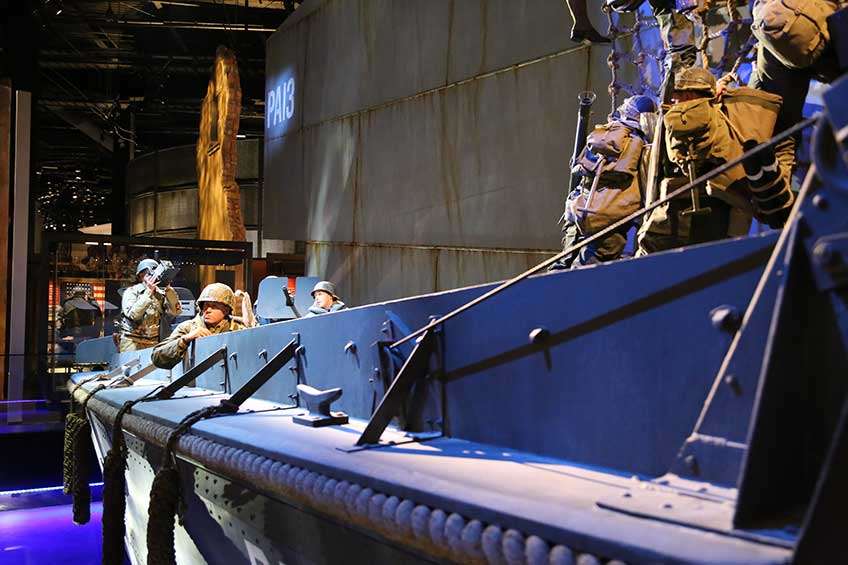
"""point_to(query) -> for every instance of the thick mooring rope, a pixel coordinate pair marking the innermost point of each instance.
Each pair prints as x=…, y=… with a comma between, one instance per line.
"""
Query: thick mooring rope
x=165, y=497
x=72, y=423
x=76, y=450
x=114, y=488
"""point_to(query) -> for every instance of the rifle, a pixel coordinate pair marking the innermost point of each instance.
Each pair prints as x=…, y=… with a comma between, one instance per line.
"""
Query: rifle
x=290, y=302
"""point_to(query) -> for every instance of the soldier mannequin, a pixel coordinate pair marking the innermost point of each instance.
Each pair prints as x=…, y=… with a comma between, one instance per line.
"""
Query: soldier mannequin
x=669, y=226
x=143, y=307
x=215, y=305
x=771, y=73
x=594, y=205
x=326, y=300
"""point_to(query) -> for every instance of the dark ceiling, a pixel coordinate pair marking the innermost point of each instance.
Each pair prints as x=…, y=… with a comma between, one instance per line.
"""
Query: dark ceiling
x=112, y=79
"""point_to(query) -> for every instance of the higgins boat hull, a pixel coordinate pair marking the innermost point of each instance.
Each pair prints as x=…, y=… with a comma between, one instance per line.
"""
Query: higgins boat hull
x=298, y=500
x=605, y=441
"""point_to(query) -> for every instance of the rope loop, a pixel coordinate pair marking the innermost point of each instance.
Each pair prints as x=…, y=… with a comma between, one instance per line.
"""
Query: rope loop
x=166, y=502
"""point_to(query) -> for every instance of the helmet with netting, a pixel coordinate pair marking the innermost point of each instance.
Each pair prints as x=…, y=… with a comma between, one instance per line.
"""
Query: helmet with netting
x=695, y=78
x=217, y=292
x=632, y=106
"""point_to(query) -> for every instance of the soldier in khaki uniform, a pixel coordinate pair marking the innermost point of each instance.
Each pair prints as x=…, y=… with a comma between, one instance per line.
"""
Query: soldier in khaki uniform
x=677, y=33
x=612, y=173
x=673, y=224
x=703, y=130
x=215, y=306
x=143, y=307
x=791, y=52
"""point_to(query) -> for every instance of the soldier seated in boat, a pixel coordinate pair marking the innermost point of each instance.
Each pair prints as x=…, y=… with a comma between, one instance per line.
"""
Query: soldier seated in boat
x=326, y=299
x=215, y=306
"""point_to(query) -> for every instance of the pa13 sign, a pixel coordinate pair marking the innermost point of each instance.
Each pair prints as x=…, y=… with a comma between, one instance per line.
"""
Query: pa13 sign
x=279, y=104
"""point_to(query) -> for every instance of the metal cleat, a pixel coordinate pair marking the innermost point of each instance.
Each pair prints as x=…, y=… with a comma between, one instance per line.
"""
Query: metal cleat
x=318, y=403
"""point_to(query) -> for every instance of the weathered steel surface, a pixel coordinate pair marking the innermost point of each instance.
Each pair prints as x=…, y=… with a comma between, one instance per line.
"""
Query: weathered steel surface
x=431, y=123
x=370, y=273
x=362, y=54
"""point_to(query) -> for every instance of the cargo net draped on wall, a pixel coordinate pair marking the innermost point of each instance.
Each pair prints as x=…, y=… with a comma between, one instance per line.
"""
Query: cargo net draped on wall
x=722, y=40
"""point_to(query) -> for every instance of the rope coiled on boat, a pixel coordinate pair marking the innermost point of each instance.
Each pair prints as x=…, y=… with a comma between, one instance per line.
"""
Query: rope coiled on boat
x=165, y=496
x=114, y=488
x=75, y=461
x=72, y=423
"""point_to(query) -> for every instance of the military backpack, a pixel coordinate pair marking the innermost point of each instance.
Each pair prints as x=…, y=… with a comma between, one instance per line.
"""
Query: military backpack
x=794, y=31
x=620, y=147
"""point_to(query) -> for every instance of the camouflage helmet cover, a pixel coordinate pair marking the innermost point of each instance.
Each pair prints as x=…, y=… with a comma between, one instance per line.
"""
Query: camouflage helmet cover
x=217, y=292
x=695, y=78
x=146, y=265
x=632, y=106
x=327, y=287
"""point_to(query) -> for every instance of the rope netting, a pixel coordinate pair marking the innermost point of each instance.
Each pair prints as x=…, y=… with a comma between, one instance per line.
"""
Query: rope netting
x=723, y=43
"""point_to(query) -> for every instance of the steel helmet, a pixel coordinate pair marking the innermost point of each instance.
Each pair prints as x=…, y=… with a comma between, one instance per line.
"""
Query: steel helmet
x=695, y=78
x=217, y=292
x=146, y=265
x=327, y=287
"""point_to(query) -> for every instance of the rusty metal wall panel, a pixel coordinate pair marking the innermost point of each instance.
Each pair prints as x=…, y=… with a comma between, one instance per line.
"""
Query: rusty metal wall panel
x=177, y=166
x=366, y=274
x=364, y=53
x=483, y=164
x=176, y=209
x=142, y=213
x=493, y=34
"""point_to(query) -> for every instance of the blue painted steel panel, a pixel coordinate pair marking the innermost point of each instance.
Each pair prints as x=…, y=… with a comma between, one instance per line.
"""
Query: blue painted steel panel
x=602, y=395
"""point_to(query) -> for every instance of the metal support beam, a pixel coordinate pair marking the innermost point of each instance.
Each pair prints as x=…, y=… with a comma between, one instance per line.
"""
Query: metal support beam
x=180, y=24
x=267, y=371
x=416, y=367
x=821, y=534
x=220, y=355
x=87, y=127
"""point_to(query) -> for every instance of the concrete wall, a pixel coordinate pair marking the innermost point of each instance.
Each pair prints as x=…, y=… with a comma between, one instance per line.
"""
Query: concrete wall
x=423, y=145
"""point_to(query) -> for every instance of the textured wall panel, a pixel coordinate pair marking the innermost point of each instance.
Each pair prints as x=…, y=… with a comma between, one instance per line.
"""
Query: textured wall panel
x=249, y=195
x=492, y=34
x=364, y=53
x=142, y=174
x=176, y=209
x=482, y=164
x=283, y=175
x=177, y=166
x=284, y=61
x=331, y=173
x=425, y=123
x=368, y=273
x=142, y=214
x=248, y=158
